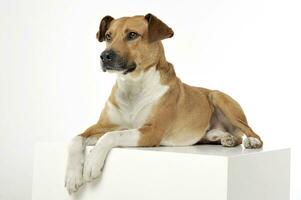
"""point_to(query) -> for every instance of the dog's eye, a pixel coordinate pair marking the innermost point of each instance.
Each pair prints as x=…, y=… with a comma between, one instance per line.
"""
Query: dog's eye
x=132, y=35
x=108, y=37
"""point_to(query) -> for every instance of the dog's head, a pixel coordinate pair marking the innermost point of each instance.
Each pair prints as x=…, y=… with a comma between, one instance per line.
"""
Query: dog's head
x=132, y=43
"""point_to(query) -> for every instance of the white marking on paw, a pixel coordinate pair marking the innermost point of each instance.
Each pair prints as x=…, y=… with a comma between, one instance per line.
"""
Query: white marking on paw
x=94, y=163
x=96, y=158
x=73, y=176
x=228, y=141
x=252, y=143
x=73, y=180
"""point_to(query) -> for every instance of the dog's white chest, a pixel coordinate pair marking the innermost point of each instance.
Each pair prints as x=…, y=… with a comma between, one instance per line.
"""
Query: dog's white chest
x=135, y=98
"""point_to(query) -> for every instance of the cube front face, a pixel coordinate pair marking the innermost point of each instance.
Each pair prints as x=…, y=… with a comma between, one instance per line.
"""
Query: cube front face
x=260, y=176
x=139, y=174
x=143, y=174
x=134, y=174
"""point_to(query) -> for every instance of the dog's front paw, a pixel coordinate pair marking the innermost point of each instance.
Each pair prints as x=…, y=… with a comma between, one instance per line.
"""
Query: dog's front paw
x=252, y=143
x=93, y=165
x=73, y=179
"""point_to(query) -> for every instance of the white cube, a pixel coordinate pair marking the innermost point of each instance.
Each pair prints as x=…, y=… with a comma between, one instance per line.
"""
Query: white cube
x=204, y=172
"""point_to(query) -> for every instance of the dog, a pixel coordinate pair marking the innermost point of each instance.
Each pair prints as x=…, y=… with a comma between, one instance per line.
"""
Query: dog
x=149, y=105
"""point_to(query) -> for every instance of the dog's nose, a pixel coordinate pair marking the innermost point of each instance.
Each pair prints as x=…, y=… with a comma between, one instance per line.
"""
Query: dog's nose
x=107, y=56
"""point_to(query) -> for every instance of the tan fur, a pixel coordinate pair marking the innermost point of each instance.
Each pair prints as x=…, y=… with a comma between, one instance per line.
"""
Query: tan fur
x=183, y=112
x=101, y=127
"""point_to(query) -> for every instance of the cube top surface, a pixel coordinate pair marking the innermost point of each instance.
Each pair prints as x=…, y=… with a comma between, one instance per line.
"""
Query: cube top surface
x=213, y=150
x=208, y=150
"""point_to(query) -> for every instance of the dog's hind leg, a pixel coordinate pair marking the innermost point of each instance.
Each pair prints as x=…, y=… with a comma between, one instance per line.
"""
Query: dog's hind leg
x=219, y=136
x=235, y=115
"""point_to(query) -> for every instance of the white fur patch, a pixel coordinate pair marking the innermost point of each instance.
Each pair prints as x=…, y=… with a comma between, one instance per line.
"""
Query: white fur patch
x=73, y=176
x=135, y=97
x=251, y=143
x=92, y=140
x=215, y=135
x=96, y=158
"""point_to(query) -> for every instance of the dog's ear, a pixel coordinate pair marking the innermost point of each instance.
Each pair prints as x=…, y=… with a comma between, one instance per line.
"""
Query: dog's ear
x=157, y=30
x=103, y=27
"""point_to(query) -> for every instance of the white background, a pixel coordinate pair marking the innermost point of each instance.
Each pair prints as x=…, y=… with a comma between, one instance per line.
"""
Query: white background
x=52, y=87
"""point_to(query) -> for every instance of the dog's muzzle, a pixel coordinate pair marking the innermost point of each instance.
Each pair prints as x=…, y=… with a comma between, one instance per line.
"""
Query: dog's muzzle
x=110, y=60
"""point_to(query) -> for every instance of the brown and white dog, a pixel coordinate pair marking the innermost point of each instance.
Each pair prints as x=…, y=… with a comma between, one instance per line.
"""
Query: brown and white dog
x=149, y=105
